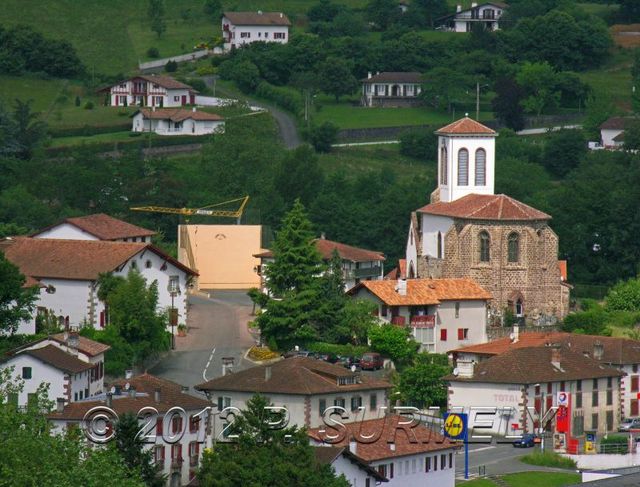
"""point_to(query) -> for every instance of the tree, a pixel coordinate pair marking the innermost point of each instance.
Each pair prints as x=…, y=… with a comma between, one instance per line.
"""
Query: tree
x=420, y=384
x=336, y=77
x=419, y=144
x=394, y=342
x=156, y=16
x=507, y=104
x=632, y=135
x=539, y=82
x=323, y=136
x=136, y=457
x=598, y=109
x=563, y=151
x=16, y=301
x=212, y=9
x=382, y=12
x=429, y=10
x=624, y=296
x=629, y=11
x=264, y=456
x=444, y=86
x=29, y=130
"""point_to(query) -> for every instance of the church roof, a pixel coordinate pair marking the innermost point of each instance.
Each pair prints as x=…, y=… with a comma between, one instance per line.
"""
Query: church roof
x=485, y=207
x=465, y=126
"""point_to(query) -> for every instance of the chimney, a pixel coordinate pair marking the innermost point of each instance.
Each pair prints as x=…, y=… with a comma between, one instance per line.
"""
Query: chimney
x=555, y=355
x=353, y=446
x=128, y=374
x=474, y=4
x=516, y=333
x=598, y=350
x=60, y=404
x=401, y=287
x=193, y=109
x=72, y=342
x=323, y=236
x=281, y=15
x=464, y=368
x=392, y=446
x=227, y=365
x=458, y=8
x=156, y=395
x=259, y=12
x=109, y=399
x=267, y=373
x=132, y=392
x=153, y=109
x=369, y=75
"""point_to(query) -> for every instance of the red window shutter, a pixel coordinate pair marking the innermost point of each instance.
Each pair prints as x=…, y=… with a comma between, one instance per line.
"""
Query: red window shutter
x=197, y=448
x=179, y=448
x=193, y=424
x=443, y=335
x=634, y=383
x=162, y=453
x=460, y=334
x=101, y=319
x=159, y=427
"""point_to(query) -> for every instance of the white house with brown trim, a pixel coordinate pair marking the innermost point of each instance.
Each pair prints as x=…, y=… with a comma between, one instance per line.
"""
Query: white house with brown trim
x=484, y=15
x=177, y=121
x=358, y=264
x=443, y=314
x=612, y=132
x=407, y=455
x=240, y=28
x=67, y=272
x=343, y=462
x=177, y=441
x=96, y=227
x=150, y=91
x=392, y=89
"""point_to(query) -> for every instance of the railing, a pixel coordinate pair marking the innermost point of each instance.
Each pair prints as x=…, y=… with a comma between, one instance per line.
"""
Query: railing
x=398, y=320
x=367, y=272
x=422, y=321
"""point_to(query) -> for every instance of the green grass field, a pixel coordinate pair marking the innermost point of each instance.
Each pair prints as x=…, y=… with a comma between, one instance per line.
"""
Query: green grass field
x=528, y=479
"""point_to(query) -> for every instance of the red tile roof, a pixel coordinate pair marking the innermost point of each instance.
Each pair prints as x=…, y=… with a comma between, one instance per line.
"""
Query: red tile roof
x=407, y=440
x=615, y=123
x=485, y=207
x=326, y=455
x=423, y=292
x=534, y=364
x=165, y=81
x=104, y=227
x=257, y=18
x=562, y=265
x=296, y=375
x=171, y=395
x=346, y=252
x=75, y=259
x=465, y=126
x=85, y=345
x=59, y=359
x=177, y=114
x=395, y=77
x=398, y=272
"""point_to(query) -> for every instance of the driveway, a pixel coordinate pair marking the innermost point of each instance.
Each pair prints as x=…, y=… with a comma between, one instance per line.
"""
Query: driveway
x=217, y=327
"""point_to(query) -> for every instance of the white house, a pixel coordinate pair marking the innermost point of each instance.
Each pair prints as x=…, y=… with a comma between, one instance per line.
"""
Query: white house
x=533, y=377
x=67, y=272
x=343, y=462
x=149, y=91
x=177, y=121
x=357, y=264
x=73, y=367
x=96, y=227
x=486, y=15
x=179, y=458
x=407, y=455
x=612, y=132
x=391, y=89
x=306, y=387
x=240, y=28
x=443, y=314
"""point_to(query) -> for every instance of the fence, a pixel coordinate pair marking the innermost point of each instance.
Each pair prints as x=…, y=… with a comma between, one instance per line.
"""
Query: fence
x=593, y=291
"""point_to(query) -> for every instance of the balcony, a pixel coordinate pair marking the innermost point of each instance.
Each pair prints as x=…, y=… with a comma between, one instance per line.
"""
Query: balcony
x=423, y=321
x=365, y=272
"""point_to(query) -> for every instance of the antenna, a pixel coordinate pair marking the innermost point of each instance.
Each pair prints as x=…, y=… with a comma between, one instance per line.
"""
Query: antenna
x=113, y=389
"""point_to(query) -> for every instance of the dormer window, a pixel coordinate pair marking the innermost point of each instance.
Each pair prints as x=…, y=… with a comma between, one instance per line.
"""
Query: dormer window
x=350, y=380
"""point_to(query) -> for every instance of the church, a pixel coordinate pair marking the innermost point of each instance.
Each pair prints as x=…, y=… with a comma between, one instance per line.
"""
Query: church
x=468, y=231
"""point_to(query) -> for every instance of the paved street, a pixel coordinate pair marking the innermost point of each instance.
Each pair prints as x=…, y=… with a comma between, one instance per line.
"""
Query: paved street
x=217, y=328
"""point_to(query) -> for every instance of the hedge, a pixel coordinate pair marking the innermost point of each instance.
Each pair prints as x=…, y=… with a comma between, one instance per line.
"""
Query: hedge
x=284, y=97
x=347, y=350
x=88, y=130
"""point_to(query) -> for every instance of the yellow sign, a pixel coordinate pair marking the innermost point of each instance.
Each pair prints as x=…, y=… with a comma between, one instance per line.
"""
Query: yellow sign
x=454, y=425
x=589, y=447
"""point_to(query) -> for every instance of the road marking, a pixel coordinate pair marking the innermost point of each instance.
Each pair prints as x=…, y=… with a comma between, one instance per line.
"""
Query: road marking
x=204, y=372
x=482, y=449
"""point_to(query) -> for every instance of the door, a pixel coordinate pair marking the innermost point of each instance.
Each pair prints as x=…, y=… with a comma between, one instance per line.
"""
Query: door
x=184, y=99
x=634, y=408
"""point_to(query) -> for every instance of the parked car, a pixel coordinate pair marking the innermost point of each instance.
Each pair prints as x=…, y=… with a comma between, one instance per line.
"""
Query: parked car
x=527, y=440
x=352, y=361
x=629, y=424
x=371, y=361
x=332, y=358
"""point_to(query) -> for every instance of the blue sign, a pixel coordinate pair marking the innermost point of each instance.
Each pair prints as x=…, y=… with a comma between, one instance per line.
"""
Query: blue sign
x=591, y=437
x=455, y=426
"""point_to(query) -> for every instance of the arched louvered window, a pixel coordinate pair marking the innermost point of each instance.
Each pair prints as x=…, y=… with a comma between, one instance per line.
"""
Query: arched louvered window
x=513, y=247
x=481, y=167
x=439, y=245
x=463, y=167
x=443, y=165
x=484, y=246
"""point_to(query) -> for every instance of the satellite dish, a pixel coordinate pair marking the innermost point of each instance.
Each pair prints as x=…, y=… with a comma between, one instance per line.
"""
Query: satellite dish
x=353, y=368
x=127, y=386
x=511, y=336
x=456, y=371
x=113, y=389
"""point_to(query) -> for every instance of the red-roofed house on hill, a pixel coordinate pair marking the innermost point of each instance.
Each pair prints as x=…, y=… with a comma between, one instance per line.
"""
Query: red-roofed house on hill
x=177, y=121
x=443, y=314
x=357, y=264
x=408, y=454
x=96, y=227
x=467, y=231
x=67, y=272
x=149, y=91
x=240, y=28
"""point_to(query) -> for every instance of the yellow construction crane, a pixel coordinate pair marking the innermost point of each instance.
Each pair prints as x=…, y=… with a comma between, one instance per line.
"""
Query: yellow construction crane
x=204, y=211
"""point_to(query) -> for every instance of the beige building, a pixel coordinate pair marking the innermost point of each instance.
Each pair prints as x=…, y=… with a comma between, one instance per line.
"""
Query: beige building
x=467, y=231
x=223, y=254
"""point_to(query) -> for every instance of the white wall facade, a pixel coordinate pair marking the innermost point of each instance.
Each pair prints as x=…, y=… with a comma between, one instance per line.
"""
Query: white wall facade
x=184, y=127
x=607, y=136
x=239, y=35
x=69, y=231
x=434, y=227
x=126, y=94
x=411, y=253
x=409, y=470
x=40, y=373
x=452, y=190
x=67, y=298
x=356, y=476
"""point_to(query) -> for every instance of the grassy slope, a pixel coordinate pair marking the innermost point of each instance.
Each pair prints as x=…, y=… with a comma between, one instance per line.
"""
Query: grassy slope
x=529, y=479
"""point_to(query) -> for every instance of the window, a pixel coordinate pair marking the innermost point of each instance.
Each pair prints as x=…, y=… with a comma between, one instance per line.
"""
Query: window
x=382, y=470
x=609, y=397
x=279, y=35
x=594, y=398
x=223, y=402
x=519, y=308
x=194, y=422
x=609, y=382
x=194, y=452
x=443, y=335
x=485, y=242
x=176, y=424
x=356, y=402
x=549, y=388
x=339, y=401
x=373, y=402
x=75, y=396
x=450, y=460
x=578, y=385
x=463, y=167
x=245, y=35
x=443, y=165
x=634, y=368
x=266, y=35
x=435, y=463
x=176, y=452
x=383, y=310
x=513, y=247
x=439, y=244
x=594, y=421
x=148, y=264
x=634, y=383
x=322, y=406
x=595, y=384
x=26, y=372
x=457, y=308
x=579, y=400
x=391, y=470
x=609, y=420
x=481, y=167
x=427, y=464
x=158, y=454
x=562, y=386
x=578, y=425
x=443, y=461
x=176, y=98
x=159, y=426
x=463, y=333
x=134, y=265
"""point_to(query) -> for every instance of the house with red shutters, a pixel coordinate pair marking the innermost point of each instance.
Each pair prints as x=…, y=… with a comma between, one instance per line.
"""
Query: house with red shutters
x=164, y=422
x=149, y=91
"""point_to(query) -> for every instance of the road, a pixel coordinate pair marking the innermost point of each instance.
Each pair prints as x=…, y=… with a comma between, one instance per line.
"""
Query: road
x=216, y=328
x=286, y=123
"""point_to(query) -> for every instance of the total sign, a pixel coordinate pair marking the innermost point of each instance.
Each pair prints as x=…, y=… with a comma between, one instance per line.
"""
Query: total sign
x=562, y=399
x=562, y=416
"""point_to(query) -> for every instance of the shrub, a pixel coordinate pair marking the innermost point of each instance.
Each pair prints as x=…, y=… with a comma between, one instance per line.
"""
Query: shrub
x=171, y=67
x=89, y=105
x=78, y=101
x=322, y=136
x=347, y=350
x=615, y=444
x=205, y=70
x=548, y=459
x=624, y=296
x=153, y=52
x=419, y=144
x=197, y=84
x=285, y=98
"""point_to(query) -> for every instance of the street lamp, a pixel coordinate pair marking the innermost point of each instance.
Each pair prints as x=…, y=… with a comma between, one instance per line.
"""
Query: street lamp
x=173, y=312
